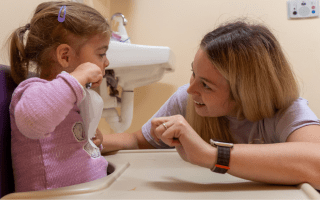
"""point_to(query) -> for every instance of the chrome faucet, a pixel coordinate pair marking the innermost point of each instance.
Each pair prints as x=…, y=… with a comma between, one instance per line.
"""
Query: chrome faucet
x=121, y=15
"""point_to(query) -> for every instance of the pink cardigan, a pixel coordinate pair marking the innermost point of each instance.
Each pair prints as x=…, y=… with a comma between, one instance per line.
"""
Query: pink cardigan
x=48, y=137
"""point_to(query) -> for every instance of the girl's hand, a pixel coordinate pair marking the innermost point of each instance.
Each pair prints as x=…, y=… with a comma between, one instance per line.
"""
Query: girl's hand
x=88, y=73
x=98, y=138
x=180, y=134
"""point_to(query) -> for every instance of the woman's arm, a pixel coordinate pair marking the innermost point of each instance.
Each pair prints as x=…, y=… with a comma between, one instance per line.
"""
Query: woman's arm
x=119, y=141
x=293, y=162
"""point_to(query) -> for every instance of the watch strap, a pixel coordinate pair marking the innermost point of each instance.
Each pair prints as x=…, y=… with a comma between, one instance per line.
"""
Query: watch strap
x=223, y=159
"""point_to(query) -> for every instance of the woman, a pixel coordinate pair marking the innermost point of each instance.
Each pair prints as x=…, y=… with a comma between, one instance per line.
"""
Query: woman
x=242, y=91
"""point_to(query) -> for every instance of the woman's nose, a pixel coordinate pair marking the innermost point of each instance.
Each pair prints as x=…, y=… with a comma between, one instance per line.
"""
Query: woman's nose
x=193, y=88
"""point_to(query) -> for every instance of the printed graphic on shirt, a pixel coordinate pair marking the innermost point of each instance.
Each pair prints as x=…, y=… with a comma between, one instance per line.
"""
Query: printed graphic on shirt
x=93, y=151
x=78, y=131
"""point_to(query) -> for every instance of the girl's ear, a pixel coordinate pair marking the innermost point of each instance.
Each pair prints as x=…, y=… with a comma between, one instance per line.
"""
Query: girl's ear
x=64, y=52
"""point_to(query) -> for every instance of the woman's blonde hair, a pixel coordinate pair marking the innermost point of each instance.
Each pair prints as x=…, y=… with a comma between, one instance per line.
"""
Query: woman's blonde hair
x=261, y=80
x=46, y=33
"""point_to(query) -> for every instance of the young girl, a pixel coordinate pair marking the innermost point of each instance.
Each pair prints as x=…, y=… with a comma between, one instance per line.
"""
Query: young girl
x=49, y=148
x=242, y=90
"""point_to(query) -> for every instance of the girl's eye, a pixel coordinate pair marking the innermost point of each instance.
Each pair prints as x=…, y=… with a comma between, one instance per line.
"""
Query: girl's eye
x=102, y=55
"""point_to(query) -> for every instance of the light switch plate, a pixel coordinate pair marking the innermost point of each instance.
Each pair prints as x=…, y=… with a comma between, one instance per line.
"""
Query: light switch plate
x=303, y=8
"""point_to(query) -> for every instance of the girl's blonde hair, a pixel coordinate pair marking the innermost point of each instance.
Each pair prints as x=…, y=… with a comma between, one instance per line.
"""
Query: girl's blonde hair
x=46, y=33
x=261, y=80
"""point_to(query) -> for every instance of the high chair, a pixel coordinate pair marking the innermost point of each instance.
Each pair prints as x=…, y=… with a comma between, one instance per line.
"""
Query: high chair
x=7, y=86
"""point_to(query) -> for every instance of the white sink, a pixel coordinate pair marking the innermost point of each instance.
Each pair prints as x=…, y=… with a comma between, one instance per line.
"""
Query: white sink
x=138, y=65
x=134, y=66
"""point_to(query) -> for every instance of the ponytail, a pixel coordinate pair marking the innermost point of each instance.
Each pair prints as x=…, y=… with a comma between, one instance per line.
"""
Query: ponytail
x=46, y=33
x=18, y=60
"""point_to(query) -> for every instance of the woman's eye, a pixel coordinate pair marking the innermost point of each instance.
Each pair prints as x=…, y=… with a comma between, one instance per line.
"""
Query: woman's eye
x=205, y=85
x=192, y=73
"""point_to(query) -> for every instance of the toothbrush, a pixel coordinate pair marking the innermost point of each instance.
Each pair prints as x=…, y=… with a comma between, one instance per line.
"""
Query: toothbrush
x=88, y=85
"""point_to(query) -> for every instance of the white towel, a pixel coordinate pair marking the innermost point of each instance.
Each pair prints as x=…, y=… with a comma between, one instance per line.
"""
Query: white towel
x=91, y=109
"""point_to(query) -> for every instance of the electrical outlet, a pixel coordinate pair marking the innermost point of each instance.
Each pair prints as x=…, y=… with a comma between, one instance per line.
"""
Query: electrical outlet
x=303, y=8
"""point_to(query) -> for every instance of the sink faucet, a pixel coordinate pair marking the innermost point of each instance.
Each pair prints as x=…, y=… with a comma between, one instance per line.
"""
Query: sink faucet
x=121, y=15
x=120, y=35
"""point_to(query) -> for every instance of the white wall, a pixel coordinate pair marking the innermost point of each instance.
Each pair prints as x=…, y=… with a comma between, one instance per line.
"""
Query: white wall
x=13, y=13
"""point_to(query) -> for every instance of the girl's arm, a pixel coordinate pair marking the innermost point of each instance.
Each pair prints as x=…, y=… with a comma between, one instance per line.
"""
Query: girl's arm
x=119, y=141
x=40, y=105
x=293, y=162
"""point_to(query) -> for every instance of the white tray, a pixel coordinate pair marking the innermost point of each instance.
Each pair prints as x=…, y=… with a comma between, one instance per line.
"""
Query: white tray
x=162, y=174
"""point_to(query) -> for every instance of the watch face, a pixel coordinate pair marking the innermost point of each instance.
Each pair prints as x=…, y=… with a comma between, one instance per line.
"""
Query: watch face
x=212, y=142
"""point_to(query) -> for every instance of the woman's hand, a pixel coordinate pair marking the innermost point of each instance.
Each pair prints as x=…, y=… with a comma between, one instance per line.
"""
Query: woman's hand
x=178, y=133
x=98, y=138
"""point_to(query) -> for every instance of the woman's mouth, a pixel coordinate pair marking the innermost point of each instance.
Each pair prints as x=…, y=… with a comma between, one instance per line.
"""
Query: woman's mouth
x=198, y=103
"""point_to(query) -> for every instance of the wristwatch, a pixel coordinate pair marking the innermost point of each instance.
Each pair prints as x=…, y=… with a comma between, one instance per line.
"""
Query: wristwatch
x=223, y=159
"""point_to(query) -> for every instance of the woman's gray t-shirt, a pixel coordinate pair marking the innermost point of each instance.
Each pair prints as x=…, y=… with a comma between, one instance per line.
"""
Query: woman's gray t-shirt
x=268, y=130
